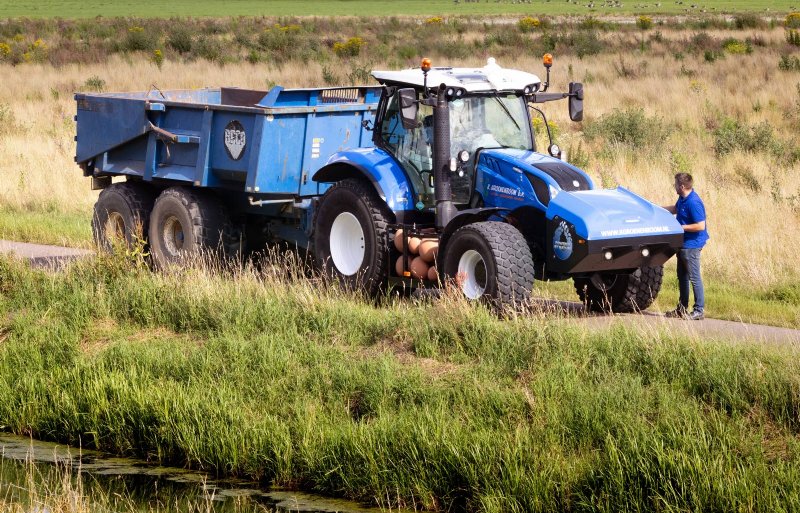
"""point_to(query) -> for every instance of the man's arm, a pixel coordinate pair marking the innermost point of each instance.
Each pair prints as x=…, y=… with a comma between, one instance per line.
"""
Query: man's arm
x=695, y=227
x=670, y=208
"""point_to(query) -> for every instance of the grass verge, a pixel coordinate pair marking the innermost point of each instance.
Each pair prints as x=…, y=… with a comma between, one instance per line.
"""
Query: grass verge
x=58, y=228
x=441, y=406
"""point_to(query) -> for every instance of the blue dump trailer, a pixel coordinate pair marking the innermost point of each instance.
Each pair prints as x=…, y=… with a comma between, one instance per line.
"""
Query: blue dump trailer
x=432, y=176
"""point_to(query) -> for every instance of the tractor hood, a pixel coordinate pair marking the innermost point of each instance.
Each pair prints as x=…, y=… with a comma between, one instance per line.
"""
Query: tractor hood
x=611, y=214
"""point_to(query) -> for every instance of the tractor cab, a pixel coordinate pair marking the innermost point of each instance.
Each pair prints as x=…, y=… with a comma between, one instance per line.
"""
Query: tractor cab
x=486, y=109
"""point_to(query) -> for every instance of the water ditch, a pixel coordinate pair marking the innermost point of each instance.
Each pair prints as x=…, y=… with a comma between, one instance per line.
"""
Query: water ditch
x=46, y=477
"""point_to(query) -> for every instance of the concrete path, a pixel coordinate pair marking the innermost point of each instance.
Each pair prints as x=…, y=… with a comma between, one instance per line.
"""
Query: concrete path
x=43, y=256
x=647, y=322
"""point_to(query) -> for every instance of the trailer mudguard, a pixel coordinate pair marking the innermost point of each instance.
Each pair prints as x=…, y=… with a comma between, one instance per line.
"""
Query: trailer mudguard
x=376, y=166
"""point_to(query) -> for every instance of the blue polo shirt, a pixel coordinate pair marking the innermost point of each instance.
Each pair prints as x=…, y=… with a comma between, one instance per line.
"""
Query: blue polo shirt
x=690, y=210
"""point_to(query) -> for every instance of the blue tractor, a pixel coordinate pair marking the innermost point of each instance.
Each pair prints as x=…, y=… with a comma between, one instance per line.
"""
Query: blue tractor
x=440, y=162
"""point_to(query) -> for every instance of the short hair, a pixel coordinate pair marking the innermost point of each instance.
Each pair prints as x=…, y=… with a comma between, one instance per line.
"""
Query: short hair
x=684, y=179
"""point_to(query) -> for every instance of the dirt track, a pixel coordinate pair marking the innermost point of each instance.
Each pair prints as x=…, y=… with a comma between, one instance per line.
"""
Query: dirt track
x=56, y=256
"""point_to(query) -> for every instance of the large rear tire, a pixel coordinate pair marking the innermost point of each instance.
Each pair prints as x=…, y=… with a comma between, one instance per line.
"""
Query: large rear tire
x=186, y=223
x=350, y=241
x=620, y=293
x=122, y=215
x=491, y=261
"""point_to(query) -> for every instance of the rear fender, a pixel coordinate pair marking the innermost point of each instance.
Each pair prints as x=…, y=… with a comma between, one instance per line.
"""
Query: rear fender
x=378, y=168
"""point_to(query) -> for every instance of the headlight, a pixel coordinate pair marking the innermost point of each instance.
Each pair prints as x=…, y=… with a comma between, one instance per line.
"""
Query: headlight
x=463, y=156
x=532, y=88
x=554, y=151
x=454, y=92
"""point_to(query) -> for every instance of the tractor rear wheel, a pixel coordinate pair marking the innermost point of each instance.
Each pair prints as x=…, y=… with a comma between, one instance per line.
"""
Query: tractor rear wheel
x=620, y=293
x=491, y=261
x=121, y=215
x=186, y=223
x=350, y=242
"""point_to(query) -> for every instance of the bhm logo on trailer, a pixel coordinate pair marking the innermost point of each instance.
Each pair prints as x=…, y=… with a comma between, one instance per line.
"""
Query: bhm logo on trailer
x=235, y=141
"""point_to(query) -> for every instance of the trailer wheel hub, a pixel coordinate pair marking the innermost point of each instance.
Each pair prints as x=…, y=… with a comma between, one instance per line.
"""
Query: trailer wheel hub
x=347, y=244
x=173, y=235
x=472, y=274
x=115, y=227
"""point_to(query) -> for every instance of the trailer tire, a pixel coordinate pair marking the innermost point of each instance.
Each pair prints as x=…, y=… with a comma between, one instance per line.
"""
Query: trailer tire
x=122, y=215
x=490, y=260
x=350, y=242
x=620, y=293
x=186, y=223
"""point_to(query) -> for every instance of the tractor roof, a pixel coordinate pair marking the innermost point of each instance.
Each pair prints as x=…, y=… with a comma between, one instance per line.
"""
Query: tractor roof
x=488, y=78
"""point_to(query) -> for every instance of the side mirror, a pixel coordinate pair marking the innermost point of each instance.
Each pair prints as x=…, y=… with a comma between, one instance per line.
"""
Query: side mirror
x=408, y=108
x=576, y=101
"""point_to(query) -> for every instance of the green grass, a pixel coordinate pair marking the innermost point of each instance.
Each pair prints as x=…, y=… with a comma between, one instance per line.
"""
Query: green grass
x=441, y=405
x=152, y=8
x=42, y=227
x=776, y=306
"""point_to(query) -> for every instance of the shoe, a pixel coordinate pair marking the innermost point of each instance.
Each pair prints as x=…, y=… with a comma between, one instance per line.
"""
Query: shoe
x=679, y=313
x=696, y=315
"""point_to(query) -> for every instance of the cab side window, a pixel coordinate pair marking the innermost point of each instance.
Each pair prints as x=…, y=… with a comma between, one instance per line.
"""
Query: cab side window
x=411, y=148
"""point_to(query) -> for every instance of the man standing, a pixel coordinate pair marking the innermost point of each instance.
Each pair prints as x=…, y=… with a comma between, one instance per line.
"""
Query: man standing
x=691, y=214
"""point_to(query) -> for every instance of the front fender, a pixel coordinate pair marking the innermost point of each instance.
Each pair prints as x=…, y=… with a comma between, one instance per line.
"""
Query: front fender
x=376, y=166
x=465, y=217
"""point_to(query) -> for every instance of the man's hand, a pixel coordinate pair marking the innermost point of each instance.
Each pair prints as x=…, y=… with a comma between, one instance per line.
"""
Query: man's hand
x=670, y=209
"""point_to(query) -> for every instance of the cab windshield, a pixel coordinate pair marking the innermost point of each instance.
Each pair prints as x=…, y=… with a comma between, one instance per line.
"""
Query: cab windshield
x=493, y=121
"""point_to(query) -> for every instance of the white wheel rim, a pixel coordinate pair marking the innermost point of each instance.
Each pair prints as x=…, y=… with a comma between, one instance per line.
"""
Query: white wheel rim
x=173, y=236
x=347, y=244
x=472, y=274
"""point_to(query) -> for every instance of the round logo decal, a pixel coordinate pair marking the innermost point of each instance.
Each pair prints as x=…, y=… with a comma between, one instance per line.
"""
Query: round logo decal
x=235, y=141
x=562, y=241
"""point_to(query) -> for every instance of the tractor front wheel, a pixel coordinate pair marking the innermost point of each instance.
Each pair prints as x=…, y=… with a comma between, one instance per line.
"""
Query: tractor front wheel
x=491, y=261
x=620, y=293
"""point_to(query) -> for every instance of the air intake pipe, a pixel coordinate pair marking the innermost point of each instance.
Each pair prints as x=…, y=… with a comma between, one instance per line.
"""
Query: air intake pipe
x=443, y=191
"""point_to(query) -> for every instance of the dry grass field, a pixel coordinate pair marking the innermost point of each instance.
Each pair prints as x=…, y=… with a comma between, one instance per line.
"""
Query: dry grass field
x=720, y=120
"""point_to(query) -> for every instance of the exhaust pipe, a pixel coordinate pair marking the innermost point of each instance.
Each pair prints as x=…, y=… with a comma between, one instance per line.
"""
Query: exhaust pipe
x=443, y=192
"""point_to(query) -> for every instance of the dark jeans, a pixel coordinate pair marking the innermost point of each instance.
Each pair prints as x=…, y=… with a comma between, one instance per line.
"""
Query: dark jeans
x=689, y=272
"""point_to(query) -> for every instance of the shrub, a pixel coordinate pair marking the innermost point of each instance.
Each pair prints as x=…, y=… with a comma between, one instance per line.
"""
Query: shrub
x=630, y=127
x=793, y=37
x=789, y=63
x=435, y=20
x=158, y=58
x=748, y=21
x=736, y=47
x=209, y=48
x=94, y=83
x=792, y=20
x=350, y=48
x=578, y=156
x=139, y=40
x=37, y=52
x=180, y=39
x=5, y=50
x=591, y=23
x=733, y=136
x=644, y=22
x=528, y=24
x=584, y=43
